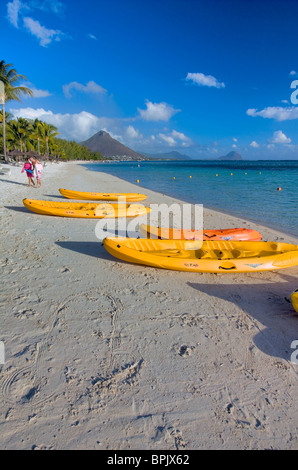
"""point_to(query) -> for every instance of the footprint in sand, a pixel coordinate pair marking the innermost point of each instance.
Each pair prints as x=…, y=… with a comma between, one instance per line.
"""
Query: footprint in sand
x=26, y=314
x=33, y=384
x=64, y=269
x=185, y=351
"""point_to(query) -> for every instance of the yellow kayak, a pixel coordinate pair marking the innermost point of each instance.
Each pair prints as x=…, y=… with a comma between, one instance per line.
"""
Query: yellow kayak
x=85, y=209
x=204, y=256
x=294, y=298
x=129, y=197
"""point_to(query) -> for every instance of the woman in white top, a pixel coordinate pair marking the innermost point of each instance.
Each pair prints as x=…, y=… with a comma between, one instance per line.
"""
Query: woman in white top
x=37, y=171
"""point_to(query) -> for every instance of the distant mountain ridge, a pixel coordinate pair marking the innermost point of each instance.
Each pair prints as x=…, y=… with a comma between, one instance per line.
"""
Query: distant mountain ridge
x=231, y=156
x=168, y=156
x=111, y=148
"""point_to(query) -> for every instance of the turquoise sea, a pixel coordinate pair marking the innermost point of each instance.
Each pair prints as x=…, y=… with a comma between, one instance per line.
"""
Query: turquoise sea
x=249, y=192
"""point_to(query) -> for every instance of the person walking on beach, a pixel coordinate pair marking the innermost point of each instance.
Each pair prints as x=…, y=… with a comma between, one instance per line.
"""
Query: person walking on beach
x=29, y=171
x=37, y=172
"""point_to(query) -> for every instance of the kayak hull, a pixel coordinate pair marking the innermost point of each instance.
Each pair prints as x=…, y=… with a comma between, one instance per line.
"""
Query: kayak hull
x=294, y=298
x=149, y=231
x=204, y=256
x=93, y=196
x=85, y=210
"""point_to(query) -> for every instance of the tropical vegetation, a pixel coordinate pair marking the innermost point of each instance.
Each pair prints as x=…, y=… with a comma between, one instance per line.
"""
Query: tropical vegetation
x=12, y=91
x=24, y=135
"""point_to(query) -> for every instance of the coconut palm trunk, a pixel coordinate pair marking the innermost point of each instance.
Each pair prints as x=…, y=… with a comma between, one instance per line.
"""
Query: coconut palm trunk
x=9, y=77
x=4, y=133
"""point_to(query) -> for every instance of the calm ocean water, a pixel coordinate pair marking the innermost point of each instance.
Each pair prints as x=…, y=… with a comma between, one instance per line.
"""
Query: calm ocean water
x=249, y=192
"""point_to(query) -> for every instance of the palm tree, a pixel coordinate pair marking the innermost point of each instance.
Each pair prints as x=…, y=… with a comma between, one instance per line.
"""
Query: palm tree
x=18, y=133
x=47, y=133
x=43, y=133
x=37, y=132
x=11, y=78
x=15, y=134
x=25, y=127
x=7, y=116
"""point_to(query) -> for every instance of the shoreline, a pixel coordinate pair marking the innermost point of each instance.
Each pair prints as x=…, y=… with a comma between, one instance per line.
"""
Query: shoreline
x=274, y=228
x=139, y=188
x=220, y=213
x=102, y=354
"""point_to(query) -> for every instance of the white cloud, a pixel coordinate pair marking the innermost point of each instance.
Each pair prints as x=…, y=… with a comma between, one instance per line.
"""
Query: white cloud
x=16, y=8
x=275, y=112
x=280, y=138
x=54, y=6
x=180, y=136
x=13, y=10
x=204, y=80
x=90, y=87
x=254, y=144
x=81, y=126
x=45, y=36
x=234, y=139
x=111, y=132
x=293, y=73
x=77, y=127
x=168, y=139
x=37, y=93
x=91, y=36
x=157, y=111
x=175, y=138
x=40, y=93
x=133, y=133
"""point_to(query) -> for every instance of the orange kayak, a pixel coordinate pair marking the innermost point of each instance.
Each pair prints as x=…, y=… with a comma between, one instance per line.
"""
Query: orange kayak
x=236, y=234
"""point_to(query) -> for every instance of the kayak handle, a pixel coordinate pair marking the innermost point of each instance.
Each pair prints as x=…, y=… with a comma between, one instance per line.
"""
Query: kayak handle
x=227, y=268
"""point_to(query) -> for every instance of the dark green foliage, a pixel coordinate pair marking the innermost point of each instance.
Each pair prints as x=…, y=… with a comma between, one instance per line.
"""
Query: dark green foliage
x=71, y=150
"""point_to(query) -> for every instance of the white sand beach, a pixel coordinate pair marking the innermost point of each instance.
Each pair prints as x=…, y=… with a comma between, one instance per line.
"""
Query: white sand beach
x=102, y=354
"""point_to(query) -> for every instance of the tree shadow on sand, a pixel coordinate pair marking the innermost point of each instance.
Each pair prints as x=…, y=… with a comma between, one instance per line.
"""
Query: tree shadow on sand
x=268, y=303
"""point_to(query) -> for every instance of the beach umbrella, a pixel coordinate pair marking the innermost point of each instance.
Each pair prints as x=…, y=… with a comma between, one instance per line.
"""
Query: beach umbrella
x=31, y=153
x=16, y=153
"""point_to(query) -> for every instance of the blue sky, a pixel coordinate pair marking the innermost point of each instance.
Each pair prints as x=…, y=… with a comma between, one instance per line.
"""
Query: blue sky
x=199, y=77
